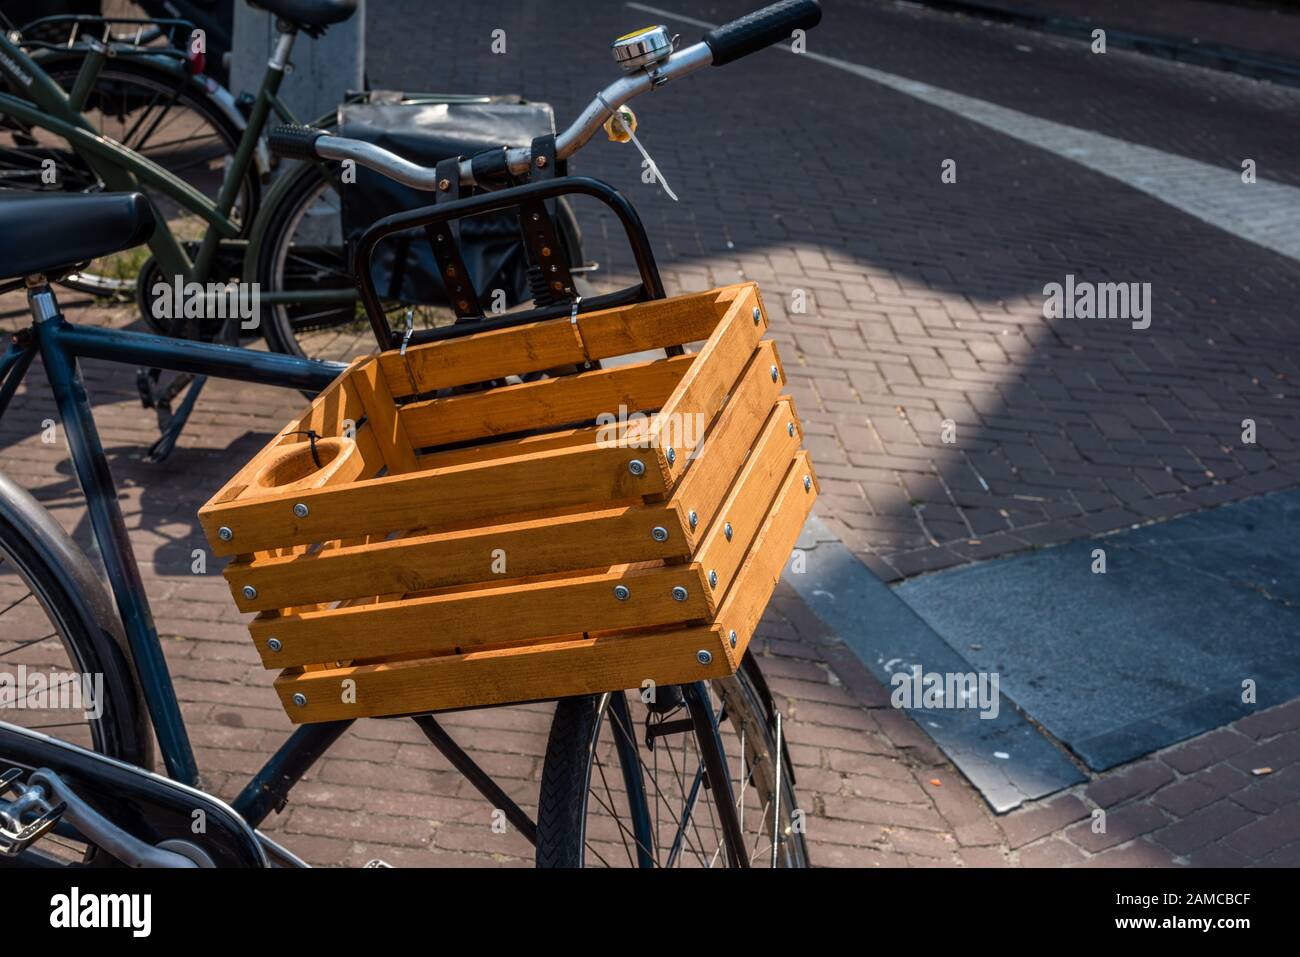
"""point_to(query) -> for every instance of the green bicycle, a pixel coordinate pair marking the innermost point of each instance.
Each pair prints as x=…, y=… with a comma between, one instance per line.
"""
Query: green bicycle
x=106, y=113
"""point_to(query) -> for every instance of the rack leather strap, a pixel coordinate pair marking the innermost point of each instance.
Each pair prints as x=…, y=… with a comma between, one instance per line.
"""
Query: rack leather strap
x=443, y=238
x=552, y=281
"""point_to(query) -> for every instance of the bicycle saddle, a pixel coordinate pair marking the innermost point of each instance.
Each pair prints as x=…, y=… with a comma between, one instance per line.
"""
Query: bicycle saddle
x=309, y=13
x=44, y=232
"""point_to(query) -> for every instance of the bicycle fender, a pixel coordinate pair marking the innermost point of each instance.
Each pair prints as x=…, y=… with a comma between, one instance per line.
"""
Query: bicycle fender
x=77, y=578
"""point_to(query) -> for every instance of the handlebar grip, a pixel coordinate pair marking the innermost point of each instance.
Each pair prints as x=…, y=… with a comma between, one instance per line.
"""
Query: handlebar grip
x=295, y=142
x=762, y=28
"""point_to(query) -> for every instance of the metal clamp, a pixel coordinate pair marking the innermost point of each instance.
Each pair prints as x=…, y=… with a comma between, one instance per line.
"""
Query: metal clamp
x=445, y=240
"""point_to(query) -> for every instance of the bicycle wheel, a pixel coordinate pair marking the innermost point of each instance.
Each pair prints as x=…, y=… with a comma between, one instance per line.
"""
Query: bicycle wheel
x=303, y=249
x=626, y=784
x=143, y=107
x=65, y=673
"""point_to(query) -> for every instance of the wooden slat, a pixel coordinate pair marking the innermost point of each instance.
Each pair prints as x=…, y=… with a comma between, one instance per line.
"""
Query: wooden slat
x=717, y=367
x=536, y=547
x=527, y=673
x=466, y=619
x=747, y=504
x=751, y=589
x=504, y=448
x=655, y=325
x=545, y=345
x=382, y=418
x=481, y=357
x=714, y=466
x=544, y=403
x=438, y=498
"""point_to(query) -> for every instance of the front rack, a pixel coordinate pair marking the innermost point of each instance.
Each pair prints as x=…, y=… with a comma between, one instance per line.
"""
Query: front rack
x=650, y=286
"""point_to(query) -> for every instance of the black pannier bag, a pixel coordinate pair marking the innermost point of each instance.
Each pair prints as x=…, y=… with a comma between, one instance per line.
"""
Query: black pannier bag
x=426, y=129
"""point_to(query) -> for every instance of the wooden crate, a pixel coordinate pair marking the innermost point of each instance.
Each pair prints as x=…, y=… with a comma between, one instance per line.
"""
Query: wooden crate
x=409, y=547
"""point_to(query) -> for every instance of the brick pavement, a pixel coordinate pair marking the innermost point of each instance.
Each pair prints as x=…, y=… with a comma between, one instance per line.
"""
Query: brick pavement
x=924, y=306
x=926, y=298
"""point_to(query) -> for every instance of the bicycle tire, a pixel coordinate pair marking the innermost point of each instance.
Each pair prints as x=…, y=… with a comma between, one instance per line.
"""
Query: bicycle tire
x=563, y=801
x=281, y=224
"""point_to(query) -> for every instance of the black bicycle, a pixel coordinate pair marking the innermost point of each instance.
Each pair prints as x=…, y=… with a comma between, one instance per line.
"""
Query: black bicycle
x=696, y=774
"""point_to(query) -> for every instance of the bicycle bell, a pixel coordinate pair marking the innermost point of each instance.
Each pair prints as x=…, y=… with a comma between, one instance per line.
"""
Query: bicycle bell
x=642, y=48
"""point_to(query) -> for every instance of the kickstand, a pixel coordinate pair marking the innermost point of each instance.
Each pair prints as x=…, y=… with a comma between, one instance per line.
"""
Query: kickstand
x=175, y=423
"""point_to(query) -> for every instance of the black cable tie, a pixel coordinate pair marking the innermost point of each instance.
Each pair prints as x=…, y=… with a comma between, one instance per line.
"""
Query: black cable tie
x=311, y=438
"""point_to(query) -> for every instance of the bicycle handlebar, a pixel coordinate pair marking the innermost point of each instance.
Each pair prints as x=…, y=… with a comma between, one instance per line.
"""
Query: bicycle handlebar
x=760, y=29
x=721, y=45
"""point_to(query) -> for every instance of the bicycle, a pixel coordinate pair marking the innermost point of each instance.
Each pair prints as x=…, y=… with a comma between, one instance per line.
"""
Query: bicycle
x=730, y=719
x=286, y=241
x=133, y=89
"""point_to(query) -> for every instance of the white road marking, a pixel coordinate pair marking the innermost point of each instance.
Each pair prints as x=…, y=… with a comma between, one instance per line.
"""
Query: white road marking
x=1264, y=212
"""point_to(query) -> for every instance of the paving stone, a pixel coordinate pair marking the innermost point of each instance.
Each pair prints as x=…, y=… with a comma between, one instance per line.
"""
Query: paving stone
x=1136, y=781
x=1205, y=750
x=1136, y=854
x=1052, y=852
x=983, y=857
x=1045, y=817
x=1203, y=826
x=1122, y=825
x=1262, y=837
x=1203, y=788
x=1273, y=721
